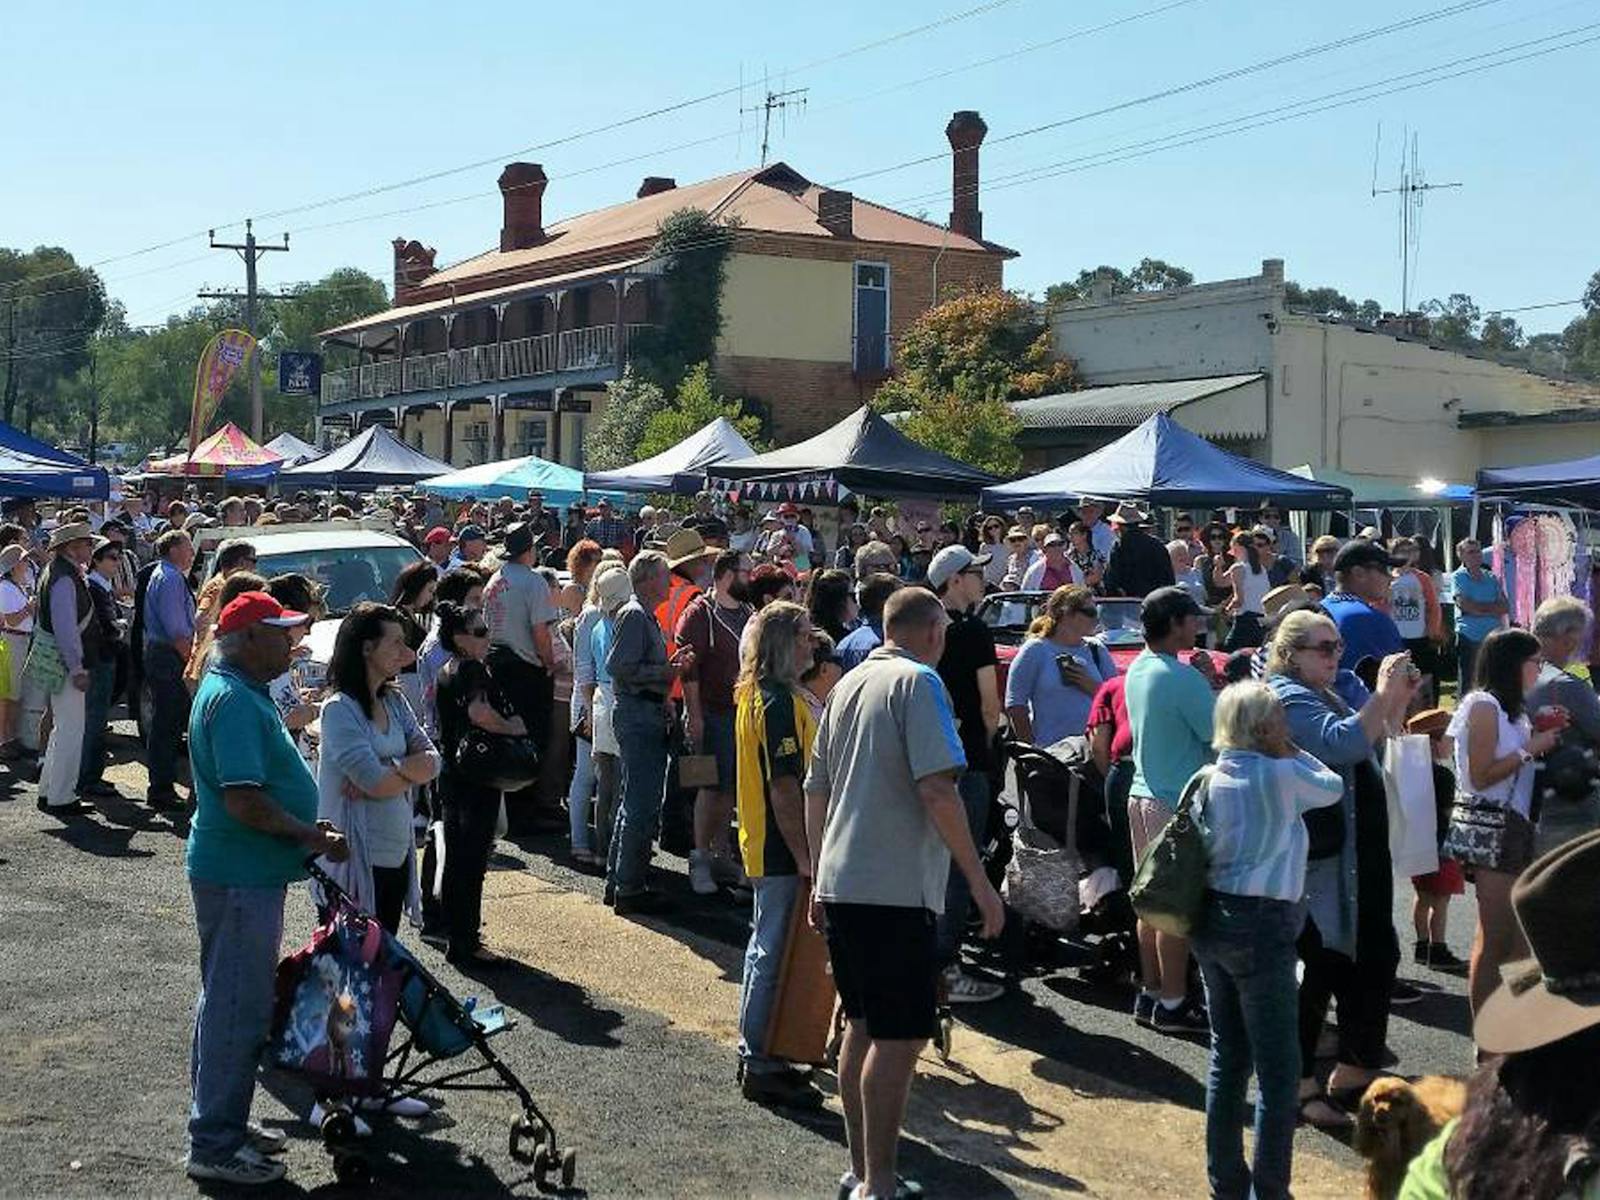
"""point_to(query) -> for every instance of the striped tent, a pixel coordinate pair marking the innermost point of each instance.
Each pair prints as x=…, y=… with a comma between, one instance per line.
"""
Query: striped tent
x=228, y=447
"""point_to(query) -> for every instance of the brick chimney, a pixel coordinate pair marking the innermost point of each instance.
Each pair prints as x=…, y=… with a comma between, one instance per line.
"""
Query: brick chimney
x=654, y=185
x=522, y=187
x=413, y=262
x=966, y=132
x=836, y=212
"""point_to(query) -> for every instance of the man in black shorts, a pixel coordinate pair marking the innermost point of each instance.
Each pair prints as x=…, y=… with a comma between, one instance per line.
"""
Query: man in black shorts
x=884, y=821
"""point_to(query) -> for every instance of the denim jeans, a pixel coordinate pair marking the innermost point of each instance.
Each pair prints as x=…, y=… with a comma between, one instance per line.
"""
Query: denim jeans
x=1246, y=950
x=774, y=902
x=642, y=734
x=163, y=671
x=580, y=793
x=97, y=709
x=974, y=789
x=240, y=931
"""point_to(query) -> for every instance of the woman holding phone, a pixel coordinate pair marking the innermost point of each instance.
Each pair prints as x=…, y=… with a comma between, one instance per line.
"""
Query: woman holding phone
x=1060, y=667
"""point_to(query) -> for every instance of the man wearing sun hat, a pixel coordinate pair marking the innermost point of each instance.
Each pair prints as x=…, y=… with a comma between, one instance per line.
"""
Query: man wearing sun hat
x=254, y=824
x=66, y=614
x=1138, y=564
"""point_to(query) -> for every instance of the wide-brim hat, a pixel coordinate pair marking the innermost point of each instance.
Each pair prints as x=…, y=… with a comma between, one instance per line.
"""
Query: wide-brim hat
x=1128, y=514
x=11, y=556
x=77, y=531
x=1556, y=993
x=612, y=588
x=686, y=546
x=1285, y=597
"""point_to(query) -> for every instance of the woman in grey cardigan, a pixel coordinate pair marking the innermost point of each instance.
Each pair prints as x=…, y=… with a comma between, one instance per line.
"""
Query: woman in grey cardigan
x=373, y=753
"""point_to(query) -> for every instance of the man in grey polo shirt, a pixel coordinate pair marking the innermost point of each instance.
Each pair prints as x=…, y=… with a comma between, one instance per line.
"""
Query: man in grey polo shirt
x=884, y=821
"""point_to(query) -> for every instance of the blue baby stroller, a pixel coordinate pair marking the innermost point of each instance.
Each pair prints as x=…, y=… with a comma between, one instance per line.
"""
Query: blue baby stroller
x=350, y=992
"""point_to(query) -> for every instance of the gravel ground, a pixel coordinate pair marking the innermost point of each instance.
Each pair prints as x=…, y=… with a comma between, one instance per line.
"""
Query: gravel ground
x=625, y=1036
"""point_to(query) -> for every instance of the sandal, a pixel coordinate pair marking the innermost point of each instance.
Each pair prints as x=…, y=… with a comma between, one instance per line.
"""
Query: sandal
x=1332, y=1108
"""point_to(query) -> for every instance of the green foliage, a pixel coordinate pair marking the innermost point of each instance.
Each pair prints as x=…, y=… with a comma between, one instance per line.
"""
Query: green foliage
x=1454, y=321
x=50, y=308
x=1501, y=334
x=1580, y=341
x=695, y=251
x=144, y=378
x=1151, y=275
x=697, y=404
x=1328, y=301
x=630, y=403
x=958, y=365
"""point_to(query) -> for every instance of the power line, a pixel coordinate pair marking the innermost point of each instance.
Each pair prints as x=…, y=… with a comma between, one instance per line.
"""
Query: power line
x=676, y=106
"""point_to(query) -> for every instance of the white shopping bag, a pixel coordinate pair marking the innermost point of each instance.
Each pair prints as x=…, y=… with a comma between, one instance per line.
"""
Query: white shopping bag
x=1413, y=816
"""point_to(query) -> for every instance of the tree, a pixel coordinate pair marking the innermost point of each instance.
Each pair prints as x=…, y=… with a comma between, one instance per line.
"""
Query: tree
x=1581, y=339
x=1151, y=275
x=50, y=308
x=696, y=405
x=695, y=251
x=1329, y=301
x=1501, y=334
x=957, y=367
x=630, y=403
x=1455, y=321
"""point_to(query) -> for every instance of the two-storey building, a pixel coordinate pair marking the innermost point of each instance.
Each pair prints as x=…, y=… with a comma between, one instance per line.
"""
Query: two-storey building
x=509, y=352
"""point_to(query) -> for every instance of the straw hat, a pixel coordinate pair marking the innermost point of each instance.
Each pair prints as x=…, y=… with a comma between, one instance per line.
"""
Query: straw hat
x=78, y=531
x=1556, y=993
x=10, y=557
x=613, y=588
x=686, y=546
x=1128, y=514
x=1285, y=598
x=1430, y=721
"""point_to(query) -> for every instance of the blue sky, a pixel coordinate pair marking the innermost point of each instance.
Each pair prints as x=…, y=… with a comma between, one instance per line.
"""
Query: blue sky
x=131, y=125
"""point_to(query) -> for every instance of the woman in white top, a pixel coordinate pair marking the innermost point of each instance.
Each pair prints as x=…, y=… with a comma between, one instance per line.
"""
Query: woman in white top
x=1491, y=834
x=16, y=621
x=1247, y=577
x=993, y=543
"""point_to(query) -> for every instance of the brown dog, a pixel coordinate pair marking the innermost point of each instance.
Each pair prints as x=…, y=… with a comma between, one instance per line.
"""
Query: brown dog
x=1396, y=1120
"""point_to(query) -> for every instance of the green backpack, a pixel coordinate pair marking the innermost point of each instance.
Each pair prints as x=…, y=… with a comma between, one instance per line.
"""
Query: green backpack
x=1169, y=885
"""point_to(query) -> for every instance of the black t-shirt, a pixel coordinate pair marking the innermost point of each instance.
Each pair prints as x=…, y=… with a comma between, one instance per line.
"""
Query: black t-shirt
x=968, y=648
x=461, y=681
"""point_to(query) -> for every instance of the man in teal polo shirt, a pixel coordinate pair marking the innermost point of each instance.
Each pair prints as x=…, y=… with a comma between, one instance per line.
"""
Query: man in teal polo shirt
x=254, y=824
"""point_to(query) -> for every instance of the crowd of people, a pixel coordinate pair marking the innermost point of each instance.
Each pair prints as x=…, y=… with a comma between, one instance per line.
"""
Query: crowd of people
x=829, y=729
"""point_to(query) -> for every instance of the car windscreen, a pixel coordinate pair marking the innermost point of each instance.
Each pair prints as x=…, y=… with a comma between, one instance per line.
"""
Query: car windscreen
x=1120, y=624
x=349, y=574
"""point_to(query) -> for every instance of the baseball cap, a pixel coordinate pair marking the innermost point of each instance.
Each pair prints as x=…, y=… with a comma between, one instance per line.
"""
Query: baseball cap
x=1359, y=552
x=257, y=608
x=471, y=533
x=950, y=562
x=436, y=535
x=1170, y=604
x=1054, y=539
x=788, y=509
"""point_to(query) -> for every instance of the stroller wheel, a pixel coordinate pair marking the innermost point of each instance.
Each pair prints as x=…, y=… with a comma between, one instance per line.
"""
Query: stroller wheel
x=338, y=1127
x=352, y=1170
x=569, y=1168
x=527, y=1140
x=544, y=1161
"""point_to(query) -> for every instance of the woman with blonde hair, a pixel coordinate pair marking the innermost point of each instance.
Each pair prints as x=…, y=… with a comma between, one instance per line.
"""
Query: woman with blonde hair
x=594, y=772
x=1060, y=667
x=1256, y=842
x=773, y=730
x=1348, y=944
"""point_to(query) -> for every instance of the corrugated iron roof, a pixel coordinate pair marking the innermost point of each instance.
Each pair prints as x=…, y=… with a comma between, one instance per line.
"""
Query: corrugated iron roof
x=1120, y=406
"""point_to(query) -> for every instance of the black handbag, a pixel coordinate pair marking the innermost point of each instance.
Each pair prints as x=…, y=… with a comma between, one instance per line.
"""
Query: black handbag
x=500, y=761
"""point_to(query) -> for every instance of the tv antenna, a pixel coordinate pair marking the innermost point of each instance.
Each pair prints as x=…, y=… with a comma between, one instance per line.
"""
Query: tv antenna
x=776, y=102
x=1412, y=188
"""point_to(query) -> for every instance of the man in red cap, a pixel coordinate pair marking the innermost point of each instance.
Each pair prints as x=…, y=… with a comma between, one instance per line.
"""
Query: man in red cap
x=254, y=824
x=436, y=545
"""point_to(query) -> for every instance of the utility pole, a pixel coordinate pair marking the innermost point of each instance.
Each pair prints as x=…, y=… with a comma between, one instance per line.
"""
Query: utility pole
x=1411, y=187
x=251, y=252
x=775, y=102
x=9, y=406
x=94, y=406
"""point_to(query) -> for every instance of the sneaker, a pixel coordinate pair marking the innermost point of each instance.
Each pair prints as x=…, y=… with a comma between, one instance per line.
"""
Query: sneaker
x=318, y=1112
x=728, y=872
x=245, y=1169
x=961, y=988
x=1403, y=993
x=396, y=1106
x=265, y=1141
x=643, y=902
x=1442, y=958
x=904, y=1189
x=781, y=1089
x=700, y=873
x=1186, y=1018
x=1144, y=1010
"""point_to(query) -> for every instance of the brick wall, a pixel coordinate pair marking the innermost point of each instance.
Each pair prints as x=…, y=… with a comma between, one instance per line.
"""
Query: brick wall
x=806, y=397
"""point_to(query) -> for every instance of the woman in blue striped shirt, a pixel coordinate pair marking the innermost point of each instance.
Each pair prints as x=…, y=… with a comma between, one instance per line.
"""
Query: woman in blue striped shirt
x=1256, y=844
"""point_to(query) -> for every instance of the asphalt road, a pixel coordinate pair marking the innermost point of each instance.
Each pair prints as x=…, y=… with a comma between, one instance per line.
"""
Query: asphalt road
x=625, y=1037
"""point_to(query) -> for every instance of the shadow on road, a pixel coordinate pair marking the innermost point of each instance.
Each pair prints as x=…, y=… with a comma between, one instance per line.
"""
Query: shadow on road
x=103, y=841
x=552, y=1004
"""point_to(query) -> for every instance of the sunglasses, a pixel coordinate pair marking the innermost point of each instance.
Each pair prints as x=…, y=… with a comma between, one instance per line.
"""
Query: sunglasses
x=1326, y=649
x=478, y=631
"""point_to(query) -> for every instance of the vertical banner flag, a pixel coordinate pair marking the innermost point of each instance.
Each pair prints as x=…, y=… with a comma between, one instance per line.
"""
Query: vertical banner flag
x=223, y=357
